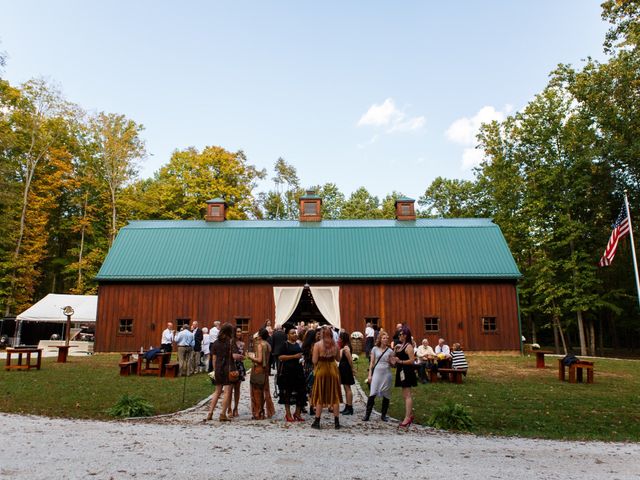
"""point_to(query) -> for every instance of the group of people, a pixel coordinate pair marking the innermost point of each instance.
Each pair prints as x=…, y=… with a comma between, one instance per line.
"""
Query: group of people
x=313, y=365
x=194, y=346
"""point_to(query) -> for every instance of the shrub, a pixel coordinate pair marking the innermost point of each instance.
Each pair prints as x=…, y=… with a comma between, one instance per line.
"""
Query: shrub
x=451, y=416
x=131, y=406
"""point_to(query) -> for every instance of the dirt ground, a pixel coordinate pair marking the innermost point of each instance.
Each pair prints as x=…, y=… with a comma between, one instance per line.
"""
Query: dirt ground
x=182, y=446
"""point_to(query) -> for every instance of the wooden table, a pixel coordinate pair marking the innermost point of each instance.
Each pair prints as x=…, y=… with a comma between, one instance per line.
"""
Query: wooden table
x=23, y=351
x=156, y=366
x=63, y=353
x=575, y=371
x=540, y=357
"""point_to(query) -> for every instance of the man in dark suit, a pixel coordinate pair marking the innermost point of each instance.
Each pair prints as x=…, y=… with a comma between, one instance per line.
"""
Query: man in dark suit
x=278, y=340
x=197, y=347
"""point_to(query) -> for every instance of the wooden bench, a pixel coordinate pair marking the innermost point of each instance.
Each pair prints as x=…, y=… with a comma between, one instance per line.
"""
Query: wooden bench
x=576, y=371
x=171, y=369
x=128, y=367
x=454, y=376
x=540, y=357
x=27, y=365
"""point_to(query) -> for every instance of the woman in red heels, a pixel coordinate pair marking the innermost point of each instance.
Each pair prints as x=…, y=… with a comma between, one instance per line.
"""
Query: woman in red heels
x=291, y=380
x=405, y=372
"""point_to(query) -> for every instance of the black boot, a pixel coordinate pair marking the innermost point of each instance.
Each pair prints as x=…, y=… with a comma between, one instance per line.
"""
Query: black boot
x=316, y=424
x=336, y=422
x=385, y=409
x=348, y=410
x=312, y=411
x=370, y=401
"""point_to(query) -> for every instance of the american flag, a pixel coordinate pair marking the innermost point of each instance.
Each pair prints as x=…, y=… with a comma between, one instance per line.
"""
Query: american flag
x=620, y=229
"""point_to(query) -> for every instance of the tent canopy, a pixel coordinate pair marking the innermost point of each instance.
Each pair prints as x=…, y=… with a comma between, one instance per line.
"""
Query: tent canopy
x=49, y=309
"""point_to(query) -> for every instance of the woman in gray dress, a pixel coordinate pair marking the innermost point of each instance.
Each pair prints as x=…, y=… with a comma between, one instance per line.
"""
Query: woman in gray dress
x=379, y=379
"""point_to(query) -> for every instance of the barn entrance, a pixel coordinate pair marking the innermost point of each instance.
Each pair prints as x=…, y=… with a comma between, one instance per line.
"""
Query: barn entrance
x=308, y=304
x=307, y=311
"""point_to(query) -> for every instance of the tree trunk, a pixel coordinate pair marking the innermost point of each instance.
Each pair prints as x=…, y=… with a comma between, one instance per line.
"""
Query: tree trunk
x=112, y=237
x=592, y=338
x=556, y=321
x=84, y=217
x=532, y=325
x=583, y=341
x=556, y=338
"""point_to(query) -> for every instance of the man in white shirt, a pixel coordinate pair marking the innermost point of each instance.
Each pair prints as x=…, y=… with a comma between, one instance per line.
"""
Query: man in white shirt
x=206, y=343
x=215, y=331
x=184, y=341
x=443, y=353
x=425, y=356
x=168, y=336
x=369, y=334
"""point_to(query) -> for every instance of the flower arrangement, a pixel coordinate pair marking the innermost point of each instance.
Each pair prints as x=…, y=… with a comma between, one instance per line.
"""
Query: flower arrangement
x=357, y=335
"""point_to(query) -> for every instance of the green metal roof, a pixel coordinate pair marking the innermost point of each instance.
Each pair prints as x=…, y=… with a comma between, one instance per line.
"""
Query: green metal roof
x=330, y=249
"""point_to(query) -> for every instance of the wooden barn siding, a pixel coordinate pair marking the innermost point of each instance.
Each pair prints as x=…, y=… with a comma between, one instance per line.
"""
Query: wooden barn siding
x=459, y=306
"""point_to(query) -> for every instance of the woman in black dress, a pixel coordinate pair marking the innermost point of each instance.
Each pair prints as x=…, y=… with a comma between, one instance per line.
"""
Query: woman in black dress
x=291, y=380
x=237, y=347
x=307, y=351
x=223, y=363
x=345, y=367
x=405, y=372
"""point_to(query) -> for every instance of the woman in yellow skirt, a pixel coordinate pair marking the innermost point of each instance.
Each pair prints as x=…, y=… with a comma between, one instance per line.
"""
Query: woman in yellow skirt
x=326, y=385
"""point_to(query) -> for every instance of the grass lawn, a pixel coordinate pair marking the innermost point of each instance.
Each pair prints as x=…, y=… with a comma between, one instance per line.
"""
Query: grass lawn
x=85, y=387
x=509, y=396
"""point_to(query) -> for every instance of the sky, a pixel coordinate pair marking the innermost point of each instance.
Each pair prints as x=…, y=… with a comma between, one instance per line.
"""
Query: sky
x=382, y=94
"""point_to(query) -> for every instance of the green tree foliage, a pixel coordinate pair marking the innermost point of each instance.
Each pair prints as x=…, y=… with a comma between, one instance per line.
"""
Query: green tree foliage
x=451, y=198
x=181, y=188
x=361, y=205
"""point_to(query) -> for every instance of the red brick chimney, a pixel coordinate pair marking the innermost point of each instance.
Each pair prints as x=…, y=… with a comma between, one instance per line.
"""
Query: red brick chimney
x=310, y=207
x=216, y=210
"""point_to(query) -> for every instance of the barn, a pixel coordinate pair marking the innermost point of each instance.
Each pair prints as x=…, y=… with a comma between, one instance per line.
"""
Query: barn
x=451, y=278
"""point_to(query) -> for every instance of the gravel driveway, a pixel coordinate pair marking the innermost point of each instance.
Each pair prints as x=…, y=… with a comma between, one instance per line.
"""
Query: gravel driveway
x=182, y=446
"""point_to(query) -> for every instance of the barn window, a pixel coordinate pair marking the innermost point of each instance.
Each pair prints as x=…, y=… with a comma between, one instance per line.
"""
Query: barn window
x=243, y=324
x=431, y=324
x=181, y=322
x=488, y=324
x=215, y=210
x=374, y=321
x=405, y=209
x=126, y=326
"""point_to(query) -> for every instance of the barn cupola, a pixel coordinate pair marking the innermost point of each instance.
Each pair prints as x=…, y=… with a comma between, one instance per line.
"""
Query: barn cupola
x=216, y=210
x=310, y=207
x=405, y=209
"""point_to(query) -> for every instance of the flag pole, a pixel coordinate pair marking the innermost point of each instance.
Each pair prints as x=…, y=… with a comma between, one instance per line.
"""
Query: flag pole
x=633, y=245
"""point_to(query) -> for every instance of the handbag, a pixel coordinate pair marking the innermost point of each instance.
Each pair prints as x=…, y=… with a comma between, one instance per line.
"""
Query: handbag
x=234, y=375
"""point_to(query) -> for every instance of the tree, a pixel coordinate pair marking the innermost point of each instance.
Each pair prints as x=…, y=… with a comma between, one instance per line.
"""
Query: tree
x=361, y=205
x=451, y=198
x=282, y=202
x=118, y=145
x=181, y=188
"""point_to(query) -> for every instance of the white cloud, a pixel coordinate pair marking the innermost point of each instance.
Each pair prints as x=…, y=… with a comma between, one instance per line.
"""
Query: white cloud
x=471, y=157
x=464, y=130
x=381, y=115
x=411, y=124
x=387, y=115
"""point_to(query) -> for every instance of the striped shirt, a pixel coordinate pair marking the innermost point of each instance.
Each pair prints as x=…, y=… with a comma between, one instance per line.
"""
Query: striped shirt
x=459, y=362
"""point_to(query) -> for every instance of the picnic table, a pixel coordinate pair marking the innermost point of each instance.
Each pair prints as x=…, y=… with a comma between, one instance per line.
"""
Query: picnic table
x=20, y=351
x=575, y=371
x=154, y=366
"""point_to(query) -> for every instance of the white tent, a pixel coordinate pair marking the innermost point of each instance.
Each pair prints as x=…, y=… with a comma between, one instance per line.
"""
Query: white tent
x=49, y=309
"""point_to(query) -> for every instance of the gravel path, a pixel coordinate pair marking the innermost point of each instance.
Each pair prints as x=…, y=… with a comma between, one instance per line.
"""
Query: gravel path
x=182, y=446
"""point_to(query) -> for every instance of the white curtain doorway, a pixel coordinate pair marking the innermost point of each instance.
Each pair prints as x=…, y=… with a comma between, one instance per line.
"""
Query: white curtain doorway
x=326, y=299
